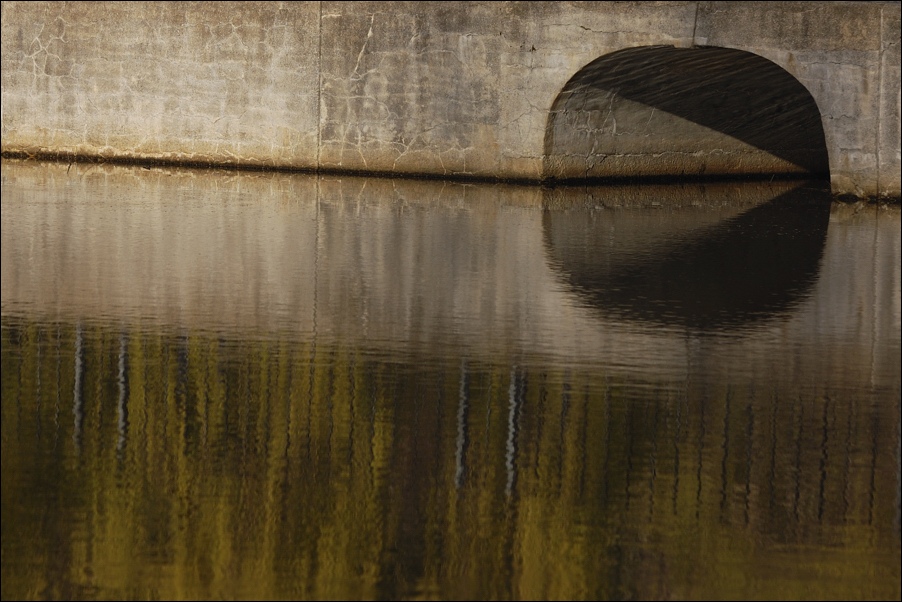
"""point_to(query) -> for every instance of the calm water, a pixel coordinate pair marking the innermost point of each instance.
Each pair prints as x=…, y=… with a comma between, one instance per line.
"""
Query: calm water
x=222, y=385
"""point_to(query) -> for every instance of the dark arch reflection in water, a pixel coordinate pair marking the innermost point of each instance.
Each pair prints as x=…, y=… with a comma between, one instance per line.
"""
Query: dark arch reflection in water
x=640, y=262
x=268, y=386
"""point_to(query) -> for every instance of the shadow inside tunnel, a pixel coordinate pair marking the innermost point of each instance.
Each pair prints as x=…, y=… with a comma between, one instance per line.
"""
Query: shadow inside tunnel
x=711, y=265
x=739, y=102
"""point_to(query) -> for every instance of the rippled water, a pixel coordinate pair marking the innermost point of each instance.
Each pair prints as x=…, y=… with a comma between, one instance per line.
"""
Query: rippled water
x=239, y=385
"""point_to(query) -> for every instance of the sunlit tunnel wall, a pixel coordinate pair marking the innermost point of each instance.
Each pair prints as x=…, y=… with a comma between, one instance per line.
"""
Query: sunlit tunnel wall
x=660, y=111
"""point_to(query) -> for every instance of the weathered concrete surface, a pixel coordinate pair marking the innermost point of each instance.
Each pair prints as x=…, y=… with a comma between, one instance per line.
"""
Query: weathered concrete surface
x=443, y=89
x=218, y=82
x=847, y=55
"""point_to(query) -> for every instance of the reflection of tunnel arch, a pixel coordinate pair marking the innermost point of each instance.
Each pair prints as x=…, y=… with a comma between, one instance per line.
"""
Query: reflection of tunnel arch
x=729, y=273
x=665, y=112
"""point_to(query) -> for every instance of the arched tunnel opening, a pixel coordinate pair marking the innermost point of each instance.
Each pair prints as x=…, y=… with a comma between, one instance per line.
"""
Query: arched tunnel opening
x=664, y=113
x=743, y=254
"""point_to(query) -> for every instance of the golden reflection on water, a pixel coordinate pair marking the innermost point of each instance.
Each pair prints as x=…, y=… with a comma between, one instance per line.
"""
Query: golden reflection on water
x=304, y=427
x=144, y=464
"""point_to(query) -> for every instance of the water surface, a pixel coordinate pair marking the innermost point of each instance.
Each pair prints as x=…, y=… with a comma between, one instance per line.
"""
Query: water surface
x=239, y=385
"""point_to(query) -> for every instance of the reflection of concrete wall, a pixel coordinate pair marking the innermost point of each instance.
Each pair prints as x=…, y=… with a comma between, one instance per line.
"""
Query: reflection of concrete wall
x=405, y=266
x=204, y=250
x=459, y=89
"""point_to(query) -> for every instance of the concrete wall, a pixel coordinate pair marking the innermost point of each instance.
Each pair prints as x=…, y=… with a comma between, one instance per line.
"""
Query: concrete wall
x=426, y=88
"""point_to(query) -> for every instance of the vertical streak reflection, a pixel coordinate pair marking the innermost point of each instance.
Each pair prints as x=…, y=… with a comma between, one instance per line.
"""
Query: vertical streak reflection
x=897, y=519
x=78, y=411
x=872, y=490
x=749, y=458
x=59, y=372
x=462, y=411
x=515, y=393
x=122, y=405
x=37, y=396
x=725, y=445
x=822, y=467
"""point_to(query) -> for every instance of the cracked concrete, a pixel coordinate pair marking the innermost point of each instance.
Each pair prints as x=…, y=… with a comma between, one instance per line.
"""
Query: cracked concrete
x=437, y=89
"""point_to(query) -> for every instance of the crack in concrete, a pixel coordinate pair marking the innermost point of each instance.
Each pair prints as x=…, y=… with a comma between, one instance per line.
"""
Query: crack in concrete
x=369, y=35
